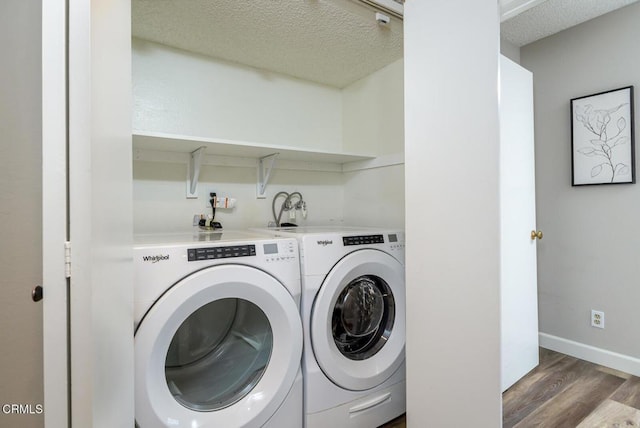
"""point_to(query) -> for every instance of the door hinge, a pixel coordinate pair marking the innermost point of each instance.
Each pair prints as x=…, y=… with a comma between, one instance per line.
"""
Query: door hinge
x=67, y=259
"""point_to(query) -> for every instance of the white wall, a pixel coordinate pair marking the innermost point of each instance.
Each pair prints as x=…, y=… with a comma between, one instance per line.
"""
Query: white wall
x=375, y=197
x=188, y=94
x=367, y=116
x=20, y=209
x=160, y=203
x=373, y=112
x=452, y=217
x=179, y=92
x=588, y=258
x=373, y=122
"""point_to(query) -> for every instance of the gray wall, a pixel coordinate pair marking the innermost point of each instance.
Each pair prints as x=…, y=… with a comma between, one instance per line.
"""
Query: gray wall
x=510, y=50
x=20, y=210
x=589, y=258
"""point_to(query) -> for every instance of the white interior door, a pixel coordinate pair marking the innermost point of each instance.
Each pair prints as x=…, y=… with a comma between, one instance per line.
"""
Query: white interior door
x=519, y=284
x=21, y=391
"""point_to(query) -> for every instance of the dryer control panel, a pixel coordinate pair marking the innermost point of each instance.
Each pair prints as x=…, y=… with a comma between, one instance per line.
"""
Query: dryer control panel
x=286, y=252
x=212, y=253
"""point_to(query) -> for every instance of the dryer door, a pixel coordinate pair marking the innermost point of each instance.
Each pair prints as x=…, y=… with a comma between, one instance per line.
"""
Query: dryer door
x=221, y=348
x=358, y=320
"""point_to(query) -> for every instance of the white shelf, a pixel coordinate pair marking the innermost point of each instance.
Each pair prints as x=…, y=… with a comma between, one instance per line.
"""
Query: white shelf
x=197, y=151
x=162, y=142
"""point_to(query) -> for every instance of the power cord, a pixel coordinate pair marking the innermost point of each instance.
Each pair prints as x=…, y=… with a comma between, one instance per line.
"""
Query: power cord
x=212, y=224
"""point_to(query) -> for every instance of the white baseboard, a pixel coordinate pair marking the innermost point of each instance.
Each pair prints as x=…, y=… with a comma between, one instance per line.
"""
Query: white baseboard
x=590, y=353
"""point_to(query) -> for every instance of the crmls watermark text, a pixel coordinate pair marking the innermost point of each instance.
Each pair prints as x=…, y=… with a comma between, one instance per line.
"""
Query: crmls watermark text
x=22, y=409
x=155, y=259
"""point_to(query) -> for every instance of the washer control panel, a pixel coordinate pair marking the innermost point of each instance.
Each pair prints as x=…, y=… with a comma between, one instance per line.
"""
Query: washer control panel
x=362, y=240
x=396, y=242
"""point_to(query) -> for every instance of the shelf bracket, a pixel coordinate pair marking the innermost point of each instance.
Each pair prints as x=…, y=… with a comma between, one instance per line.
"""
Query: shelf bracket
x=193, y=172
x=265, y=166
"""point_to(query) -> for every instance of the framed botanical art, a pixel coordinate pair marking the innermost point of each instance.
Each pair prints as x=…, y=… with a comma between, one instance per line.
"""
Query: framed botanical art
x=602, y=138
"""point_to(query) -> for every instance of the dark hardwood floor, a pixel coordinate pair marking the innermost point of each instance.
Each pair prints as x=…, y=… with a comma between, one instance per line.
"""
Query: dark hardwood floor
x=565, y=392
x=399, y=422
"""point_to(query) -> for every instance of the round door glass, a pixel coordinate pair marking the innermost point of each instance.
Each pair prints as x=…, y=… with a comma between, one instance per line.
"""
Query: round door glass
x=363, y=317
x=218, y=354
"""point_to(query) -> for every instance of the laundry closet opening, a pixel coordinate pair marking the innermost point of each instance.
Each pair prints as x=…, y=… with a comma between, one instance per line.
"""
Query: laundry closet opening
x=319, y=83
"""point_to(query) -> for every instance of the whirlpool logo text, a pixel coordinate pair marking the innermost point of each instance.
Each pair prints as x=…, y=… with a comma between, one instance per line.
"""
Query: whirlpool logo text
x=325, y=242
x=155, y=259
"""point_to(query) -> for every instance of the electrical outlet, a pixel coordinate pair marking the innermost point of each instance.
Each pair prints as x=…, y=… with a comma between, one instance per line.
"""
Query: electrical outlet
x=597, y=319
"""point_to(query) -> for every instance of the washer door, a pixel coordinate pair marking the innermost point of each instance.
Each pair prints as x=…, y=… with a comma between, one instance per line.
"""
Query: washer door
x=358, y=320
x=221, y=348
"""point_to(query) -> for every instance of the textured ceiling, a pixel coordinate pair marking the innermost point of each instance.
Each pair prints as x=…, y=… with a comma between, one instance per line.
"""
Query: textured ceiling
x=552, y=16
x=333, y=42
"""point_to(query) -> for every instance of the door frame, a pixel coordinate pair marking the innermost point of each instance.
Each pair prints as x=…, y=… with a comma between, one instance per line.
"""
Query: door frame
x=54, y=209
x=100, y=190
x=87, y=213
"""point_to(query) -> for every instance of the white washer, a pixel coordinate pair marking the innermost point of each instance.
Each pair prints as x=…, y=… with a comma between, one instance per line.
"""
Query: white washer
x=218, y=338
x=353, y=313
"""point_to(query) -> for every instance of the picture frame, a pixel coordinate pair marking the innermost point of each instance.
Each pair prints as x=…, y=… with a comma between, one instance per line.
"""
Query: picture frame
x=603, y=138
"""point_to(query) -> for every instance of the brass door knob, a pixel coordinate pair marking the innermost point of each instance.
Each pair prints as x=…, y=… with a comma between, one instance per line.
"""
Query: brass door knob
x=535, y=234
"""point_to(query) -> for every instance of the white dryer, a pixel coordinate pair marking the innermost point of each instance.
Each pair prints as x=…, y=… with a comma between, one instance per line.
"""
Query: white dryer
x=218, y=335
x=353, y=313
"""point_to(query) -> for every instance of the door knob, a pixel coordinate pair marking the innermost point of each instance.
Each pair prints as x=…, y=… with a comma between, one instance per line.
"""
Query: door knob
x=36, y=293
x=535, y=234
